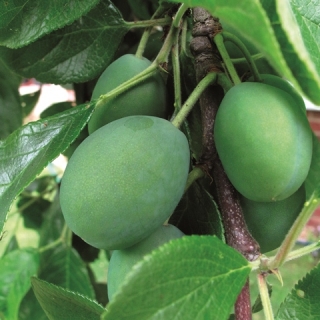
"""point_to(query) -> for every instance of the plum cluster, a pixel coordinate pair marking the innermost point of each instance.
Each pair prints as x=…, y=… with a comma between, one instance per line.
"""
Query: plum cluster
x=264, y=141
x=125, y=179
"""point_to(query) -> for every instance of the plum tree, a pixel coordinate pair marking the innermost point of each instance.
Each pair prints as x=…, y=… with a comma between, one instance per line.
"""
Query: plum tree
x=146, y=98
x=124, y=181
x=122, y=261
x=263, y=140
x=269, y=222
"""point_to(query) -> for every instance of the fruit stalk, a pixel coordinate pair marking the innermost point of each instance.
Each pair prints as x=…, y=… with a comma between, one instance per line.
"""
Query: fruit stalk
x=207, y=59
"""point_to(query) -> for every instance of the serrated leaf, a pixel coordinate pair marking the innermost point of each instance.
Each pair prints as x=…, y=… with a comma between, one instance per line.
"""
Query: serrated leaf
x=197, y=213
x=16, y=268
x=299, y=41
x=76, y=53
x=30, y=148
x=303, y=301
x=23, y=21
x=63, y=266
x=196, y=277
x=61, y=304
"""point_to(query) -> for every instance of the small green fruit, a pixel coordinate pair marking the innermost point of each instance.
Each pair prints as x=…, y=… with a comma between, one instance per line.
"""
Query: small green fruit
x=122, y=261
x=145, y=98
x=269, y=222
x=124, y=181
x=264, y=141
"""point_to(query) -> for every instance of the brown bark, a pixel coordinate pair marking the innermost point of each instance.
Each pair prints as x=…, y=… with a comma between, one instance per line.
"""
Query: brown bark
x=207, y=59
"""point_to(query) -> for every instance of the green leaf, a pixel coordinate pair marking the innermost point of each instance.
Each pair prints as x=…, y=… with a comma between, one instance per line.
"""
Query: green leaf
x=207, y=219
x=61, y=304
x=303, y=301
x=63, y=266
x=16, y=268
x=30, y=148
x=29, y=101
x=23, y=21
x=76, y=53
x=296, y=25
x=196, y=277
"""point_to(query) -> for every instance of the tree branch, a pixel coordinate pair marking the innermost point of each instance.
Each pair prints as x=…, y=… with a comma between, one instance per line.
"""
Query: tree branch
x=207, y=59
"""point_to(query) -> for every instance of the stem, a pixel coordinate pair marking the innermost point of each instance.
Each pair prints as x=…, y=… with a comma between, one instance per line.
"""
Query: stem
x=263, y=262
x=183, y=36
x=176, y=74
x=50, y=245
x=178, y=16
x=227, y=36
x=147, y=31
x=193, y=98
x=194, y=175
x=224, y=82
x=242, y=306
x=56, y=242
x=148, y=23
x=303, y=251
x=167, y=45
x=219, y=41
x=265, y=299
x=255, y=57
x=294, y=232
x=143, y=43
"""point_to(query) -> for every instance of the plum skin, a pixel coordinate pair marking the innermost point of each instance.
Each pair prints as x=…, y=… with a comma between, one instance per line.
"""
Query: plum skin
x=269, y=222
x=264, y=141
x=124, y=181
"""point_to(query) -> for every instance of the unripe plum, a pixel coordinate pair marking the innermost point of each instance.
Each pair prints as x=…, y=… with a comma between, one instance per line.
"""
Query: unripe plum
x=145, y=98
x=264, y=141
x=124, y=181
x=122, y=261
x=269, y=222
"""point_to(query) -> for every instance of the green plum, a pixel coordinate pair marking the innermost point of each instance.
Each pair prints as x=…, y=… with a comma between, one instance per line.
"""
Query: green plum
x=264, y=141
x=122, y=261
x=145, y=98
x=124, y=181
x=269, y=222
